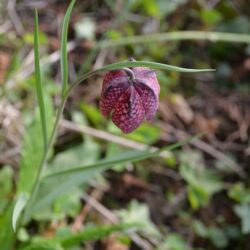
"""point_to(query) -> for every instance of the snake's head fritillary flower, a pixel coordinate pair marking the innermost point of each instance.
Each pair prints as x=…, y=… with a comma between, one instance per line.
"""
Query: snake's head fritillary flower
x=130, y=94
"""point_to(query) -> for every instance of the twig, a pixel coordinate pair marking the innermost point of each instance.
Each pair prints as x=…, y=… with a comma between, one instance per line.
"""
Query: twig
x=31, y=4
x=29, y=69
x=100, y=208
x=114, y=219
x=14, y=17
x=102, y=135
x=211, y=4
x=99, y=62
x=10, y=153
x=5, y=27
x=79, y=220
x=204, y=147
x=107, y=136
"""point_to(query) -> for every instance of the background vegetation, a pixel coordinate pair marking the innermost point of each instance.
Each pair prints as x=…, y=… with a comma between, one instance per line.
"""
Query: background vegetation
x=195, y=197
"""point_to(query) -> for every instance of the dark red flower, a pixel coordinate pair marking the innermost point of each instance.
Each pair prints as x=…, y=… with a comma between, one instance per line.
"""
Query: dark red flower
x=130, y=94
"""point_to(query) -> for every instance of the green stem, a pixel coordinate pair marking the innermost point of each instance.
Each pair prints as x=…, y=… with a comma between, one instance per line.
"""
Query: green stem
x=167, y=37
x=39, y=86
x=45, y=158
x=176, y=36
x=50, y=144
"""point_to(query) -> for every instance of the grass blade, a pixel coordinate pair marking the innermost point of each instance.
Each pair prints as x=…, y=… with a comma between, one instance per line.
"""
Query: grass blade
x=132, y=157
x=152, y=65
x=176, y=36
x=19, y=206
x=64, y=38
x=7, y=235
x=39, y=87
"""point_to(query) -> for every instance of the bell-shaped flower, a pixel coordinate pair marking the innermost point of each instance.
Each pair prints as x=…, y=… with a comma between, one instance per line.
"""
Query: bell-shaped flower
x=130, y=94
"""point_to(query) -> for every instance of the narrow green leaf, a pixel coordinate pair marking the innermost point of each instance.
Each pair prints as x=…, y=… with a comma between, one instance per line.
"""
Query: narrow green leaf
x=6, y=187
x=152, y=65
x=39, y=88
x=175, y=36
x=7, y=235
x=19, y=206
x=133, y=156
x=64, y=59
x=50, y=188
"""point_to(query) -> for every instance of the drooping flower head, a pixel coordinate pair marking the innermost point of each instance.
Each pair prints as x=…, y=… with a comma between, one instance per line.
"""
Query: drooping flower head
x=130, y=94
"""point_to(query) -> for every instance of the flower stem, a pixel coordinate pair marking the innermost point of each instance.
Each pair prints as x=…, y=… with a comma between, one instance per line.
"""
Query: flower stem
x=130, y=73
x=44, y=159
x=42, y=165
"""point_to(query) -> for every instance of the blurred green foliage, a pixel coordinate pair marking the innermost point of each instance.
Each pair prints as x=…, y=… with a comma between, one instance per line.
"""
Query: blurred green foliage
x=207, y=187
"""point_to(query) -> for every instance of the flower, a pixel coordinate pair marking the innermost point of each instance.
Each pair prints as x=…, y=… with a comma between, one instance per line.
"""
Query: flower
x=131, y=94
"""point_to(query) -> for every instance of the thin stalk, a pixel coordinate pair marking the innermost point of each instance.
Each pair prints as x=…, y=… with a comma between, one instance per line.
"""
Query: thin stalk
x=130, y=73
x=39, y=87
x=176, y=36
x=45, y=157
x=51, y=142
x=64, y=57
